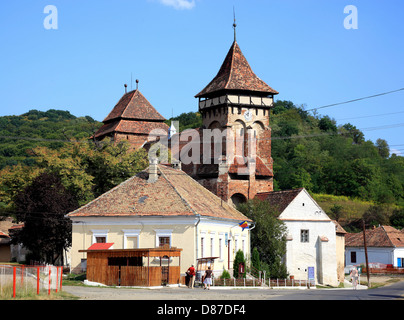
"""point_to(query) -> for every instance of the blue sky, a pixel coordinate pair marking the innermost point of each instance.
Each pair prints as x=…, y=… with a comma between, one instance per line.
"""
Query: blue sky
x=175, y=47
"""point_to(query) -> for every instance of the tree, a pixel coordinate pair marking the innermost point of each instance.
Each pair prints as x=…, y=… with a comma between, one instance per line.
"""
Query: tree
x=336, y=211
x=397, y=218
x=383, y=148
x=41, y=206
x=239, y=258
x=353, y=132
x=327, y=124
x=377, y=215
x=255, y=259
x=88, y=171
x=269, y=236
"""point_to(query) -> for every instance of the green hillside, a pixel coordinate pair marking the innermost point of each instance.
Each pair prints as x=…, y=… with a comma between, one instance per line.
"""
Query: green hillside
x=347, y=175
x=20, y=134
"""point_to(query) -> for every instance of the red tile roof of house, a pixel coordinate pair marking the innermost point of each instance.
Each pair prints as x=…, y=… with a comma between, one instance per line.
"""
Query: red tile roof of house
x=133, y=114
x=132, y=127
x=383, y=236
x=133, y=105
x=173, y=194
x=100, y=246
x=279, y=199
x=236, y=74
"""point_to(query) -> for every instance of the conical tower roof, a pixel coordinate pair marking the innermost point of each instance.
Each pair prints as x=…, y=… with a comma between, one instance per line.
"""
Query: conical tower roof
x=134, y=106
x=236, y=74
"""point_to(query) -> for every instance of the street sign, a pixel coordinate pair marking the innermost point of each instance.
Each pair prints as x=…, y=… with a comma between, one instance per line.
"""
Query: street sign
x=311, y=273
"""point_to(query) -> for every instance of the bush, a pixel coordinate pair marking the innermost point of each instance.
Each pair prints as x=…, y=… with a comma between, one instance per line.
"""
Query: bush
x=237, y=260
x=225, y=274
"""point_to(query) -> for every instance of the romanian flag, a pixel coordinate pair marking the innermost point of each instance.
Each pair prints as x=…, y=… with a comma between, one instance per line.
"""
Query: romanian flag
x=243, y=225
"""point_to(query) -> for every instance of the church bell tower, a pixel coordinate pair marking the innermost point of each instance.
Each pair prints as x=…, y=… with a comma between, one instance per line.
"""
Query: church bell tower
x=237, y=100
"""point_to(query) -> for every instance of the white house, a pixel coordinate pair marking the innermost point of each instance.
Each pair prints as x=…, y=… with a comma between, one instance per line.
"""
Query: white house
x=161, y=206
x=385, y=245
x=311, y=236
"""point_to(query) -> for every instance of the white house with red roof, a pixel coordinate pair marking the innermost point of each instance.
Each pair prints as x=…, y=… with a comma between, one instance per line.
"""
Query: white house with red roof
x=311, y=236
x=161, y=206
x=385, y=246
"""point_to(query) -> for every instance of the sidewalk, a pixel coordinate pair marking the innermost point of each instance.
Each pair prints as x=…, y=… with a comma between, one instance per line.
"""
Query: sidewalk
x=348, y=285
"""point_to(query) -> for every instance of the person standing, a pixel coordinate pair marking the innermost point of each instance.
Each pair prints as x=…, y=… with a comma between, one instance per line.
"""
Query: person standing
x=354, y=276
x=207, y=278
x=191, y=273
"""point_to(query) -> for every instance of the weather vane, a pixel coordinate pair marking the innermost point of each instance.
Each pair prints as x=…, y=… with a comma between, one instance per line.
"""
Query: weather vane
x=234, y=23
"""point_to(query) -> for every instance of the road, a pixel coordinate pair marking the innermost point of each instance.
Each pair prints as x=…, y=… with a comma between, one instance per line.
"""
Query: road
x=390, y=292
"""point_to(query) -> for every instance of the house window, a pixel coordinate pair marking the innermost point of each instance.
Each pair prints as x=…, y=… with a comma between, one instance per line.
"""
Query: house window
x=220, y=248
x=202, y=240
x=163, y=237
x=163, y=241
x=304, y=235
x=100, y=236
x=212, y=247
x=131, y=238
x=100, y=239
x=353, y=257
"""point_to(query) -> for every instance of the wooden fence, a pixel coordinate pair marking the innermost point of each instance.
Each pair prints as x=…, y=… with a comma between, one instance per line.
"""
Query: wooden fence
x=390, y=270
x=131, y=267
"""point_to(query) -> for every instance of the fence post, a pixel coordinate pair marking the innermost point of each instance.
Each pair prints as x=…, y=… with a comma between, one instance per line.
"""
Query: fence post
x=14, y=279
x=61, y=277
x=49, y=286
x=57, y=278
x=37, y=280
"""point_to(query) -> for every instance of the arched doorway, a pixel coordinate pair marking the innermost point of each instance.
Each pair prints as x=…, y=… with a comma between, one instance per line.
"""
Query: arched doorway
x=238, y=198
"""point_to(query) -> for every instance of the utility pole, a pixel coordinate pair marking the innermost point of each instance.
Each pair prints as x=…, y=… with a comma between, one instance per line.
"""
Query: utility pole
x=366, y=253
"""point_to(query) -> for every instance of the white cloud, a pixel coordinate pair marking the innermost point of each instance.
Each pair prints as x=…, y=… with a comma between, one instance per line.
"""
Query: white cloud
x=179, y=4
x=397, y=152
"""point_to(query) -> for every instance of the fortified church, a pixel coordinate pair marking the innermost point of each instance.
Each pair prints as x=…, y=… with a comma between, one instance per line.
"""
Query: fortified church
x=192, y=205
x=237, y=100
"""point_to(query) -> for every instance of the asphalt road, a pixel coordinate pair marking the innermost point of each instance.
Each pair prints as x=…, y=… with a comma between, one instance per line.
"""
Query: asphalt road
x=390, y=292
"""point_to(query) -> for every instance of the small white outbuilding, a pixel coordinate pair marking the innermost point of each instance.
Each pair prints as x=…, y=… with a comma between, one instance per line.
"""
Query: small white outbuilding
x=311, y=236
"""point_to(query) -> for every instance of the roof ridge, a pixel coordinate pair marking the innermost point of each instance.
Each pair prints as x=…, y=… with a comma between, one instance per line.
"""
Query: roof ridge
x=387, y=235
x=233, y=47
x=223, y=204
x=104, y=194
x=175, y=189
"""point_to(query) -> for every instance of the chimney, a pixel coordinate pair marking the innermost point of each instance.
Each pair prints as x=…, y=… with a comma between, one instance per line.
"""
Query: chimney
x=177, y=164
x=153, y=176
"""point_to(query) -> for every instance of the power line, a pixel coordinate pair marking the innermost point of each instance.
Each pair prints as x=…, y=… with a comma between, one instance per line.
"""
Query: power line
x=358, y=99
x=371, y=116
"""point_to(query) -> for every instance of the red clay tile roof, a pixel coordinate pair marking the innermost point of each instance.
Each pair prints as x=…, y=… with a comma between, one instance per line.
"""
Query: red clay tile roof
x=236, y=74
x=133, y=114
x=383, y=236
x=279, y=199
x=133, y=105
x=132, y=127
x=100, y=246
x=174, y=194
x=338, y=228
